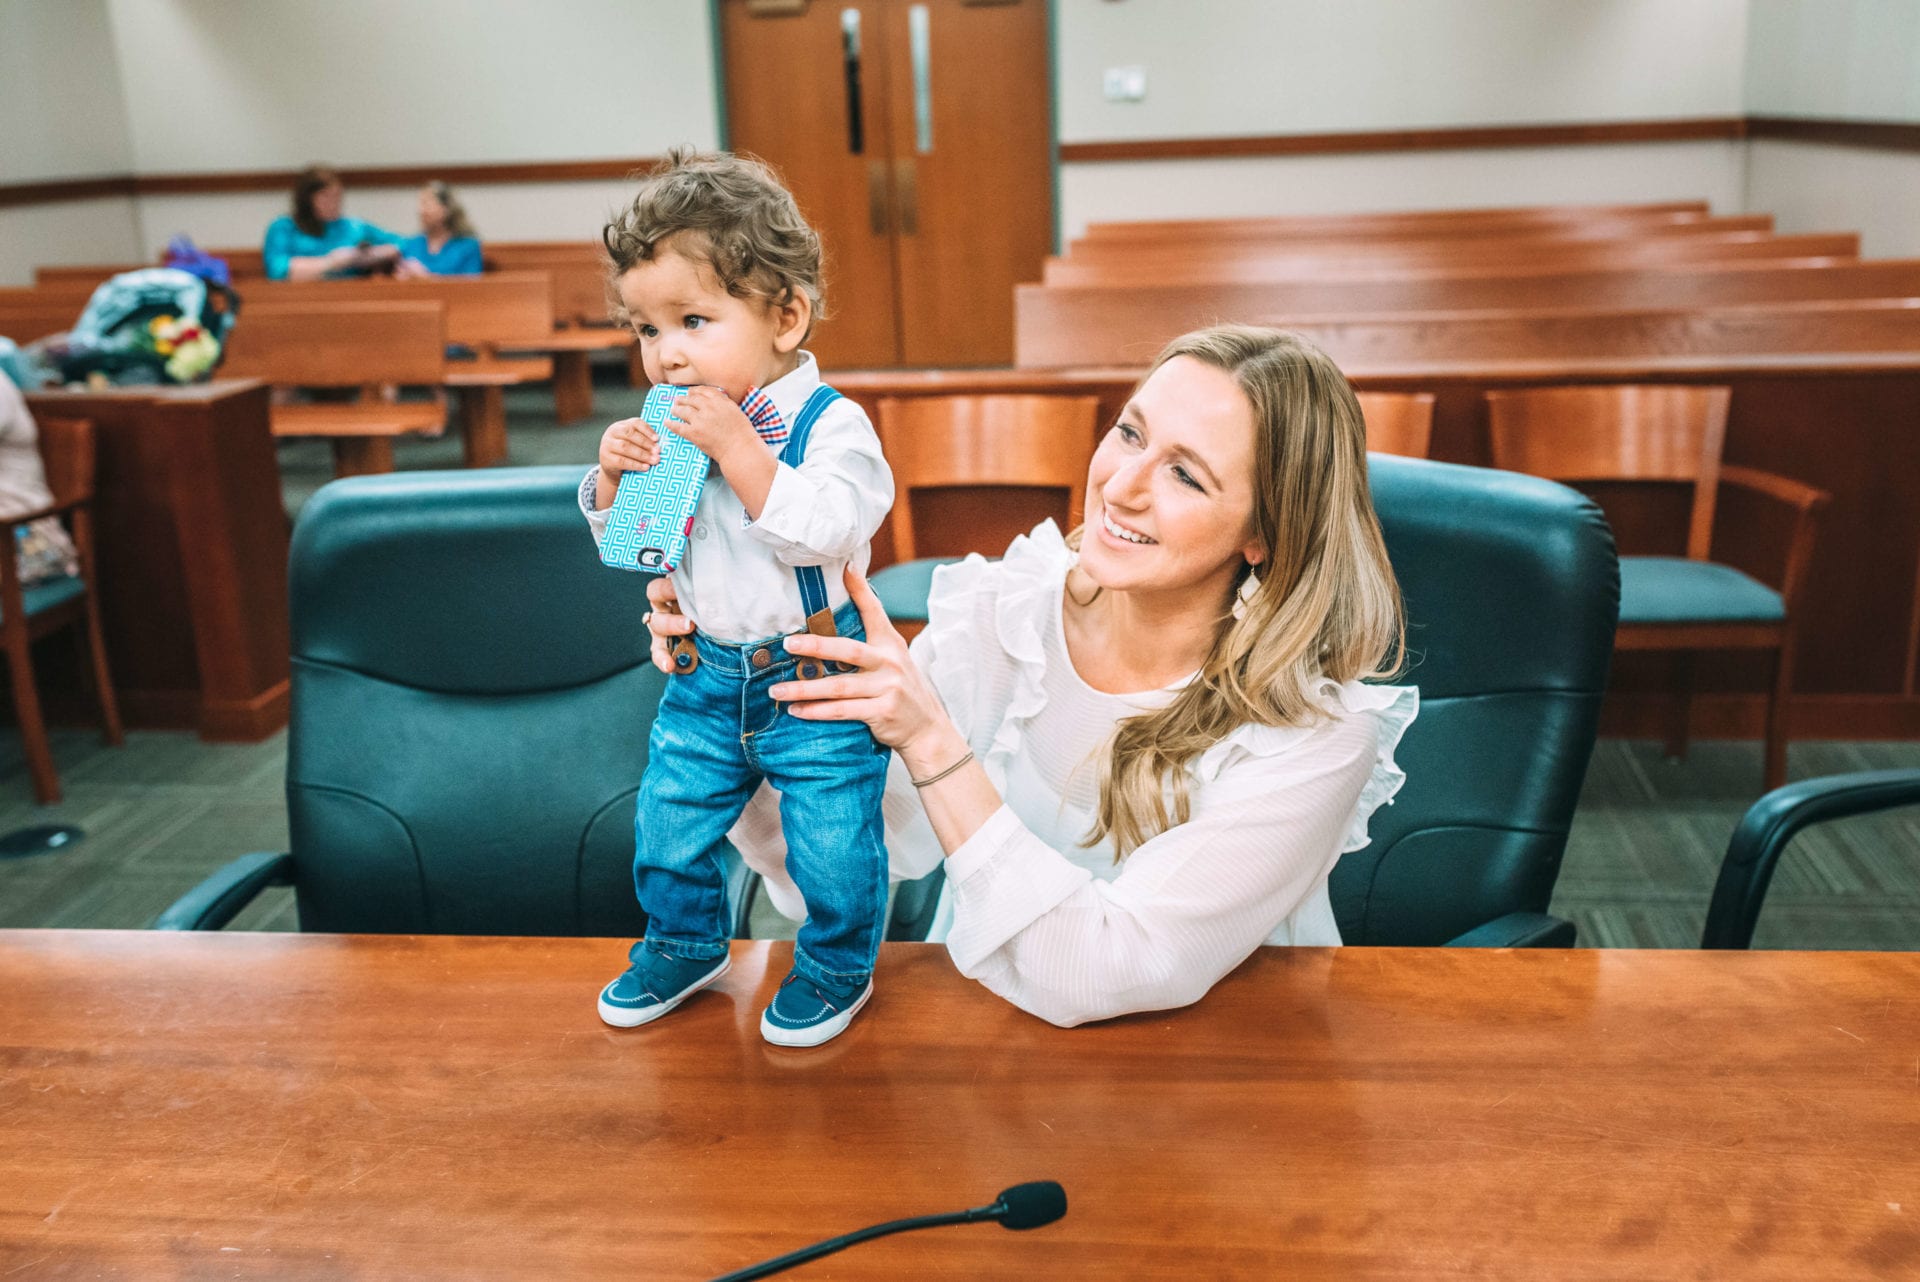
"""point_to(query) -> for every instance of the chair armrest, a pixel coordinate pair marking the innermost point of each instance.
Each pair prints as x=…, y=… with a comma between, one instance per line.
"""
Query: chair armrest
x=1796, y=494
x=743, y=887
x=218, y=899
x=1518, y=930
x=51, y=509
x=1771, y=822
x=1806, y=501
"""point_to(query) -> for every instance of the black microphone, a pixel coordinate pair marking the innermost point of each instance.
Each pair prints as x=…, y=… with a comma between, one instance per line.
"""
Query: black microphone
x=1024, y=1206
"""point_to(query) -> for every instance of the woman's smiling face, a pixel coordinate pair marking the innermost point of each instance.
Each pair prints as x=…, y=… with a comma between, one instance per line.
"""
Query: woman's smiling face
x=1170, y=492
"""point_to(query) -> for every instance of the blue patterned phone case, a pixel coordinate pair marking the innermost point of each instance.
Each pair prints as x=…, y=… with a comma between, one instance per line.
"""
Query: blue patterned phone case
x=653, y=511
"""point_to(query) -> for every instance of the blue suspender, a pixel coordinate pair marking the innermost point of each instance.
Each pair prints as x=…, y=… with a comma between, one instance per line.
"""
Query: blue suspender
x=813, y=583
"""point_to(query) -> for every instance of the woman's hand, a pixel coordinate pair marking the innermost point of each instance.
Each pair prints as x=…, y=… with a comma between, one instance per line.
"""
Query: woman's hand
x=888, y=692
x=665, y=622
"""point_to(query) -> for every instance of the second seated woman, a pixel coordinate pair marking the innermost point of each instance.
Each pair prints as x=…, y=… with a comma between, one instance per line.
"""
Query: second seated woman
x=446, y=245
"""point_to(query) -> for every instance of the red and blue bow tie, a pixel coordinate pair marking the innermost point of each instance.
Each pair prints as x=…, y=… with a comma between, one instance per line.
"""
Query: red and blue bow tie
x=766, y=420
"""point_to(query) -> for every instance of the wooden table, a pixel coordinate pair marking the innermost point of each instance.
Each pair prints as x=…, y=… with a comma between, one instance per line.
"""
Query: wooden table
x=191, y=532
x=379, y=1107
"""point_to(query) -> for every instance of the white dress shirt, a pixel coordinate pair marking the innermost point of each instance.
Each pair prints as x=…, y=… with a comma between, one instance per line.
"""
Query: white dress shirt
x=1055, y=927
x=736, y=581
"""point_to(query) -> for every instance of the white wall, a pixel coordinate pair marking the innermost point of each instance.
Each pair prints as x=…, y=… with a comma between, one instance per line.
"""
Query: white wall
x=64, y=117
x=212, y=86
x=1837, y=59
x=1239, y=67
x=1230, y=68
x=1846, y=59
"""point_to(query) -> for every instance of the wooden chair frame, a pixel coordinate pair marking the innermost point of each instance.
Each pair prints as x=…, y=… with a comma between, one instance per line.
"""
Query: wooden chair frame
x=1669, y=433
x=936, y=441
x=1398, y=422
x=67, y=446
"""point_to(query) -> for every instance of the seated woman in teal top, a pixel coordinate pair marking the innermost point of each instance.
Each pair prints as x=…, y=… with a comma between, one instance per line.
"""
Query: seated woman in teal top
x=316, y=242
x=446, y=245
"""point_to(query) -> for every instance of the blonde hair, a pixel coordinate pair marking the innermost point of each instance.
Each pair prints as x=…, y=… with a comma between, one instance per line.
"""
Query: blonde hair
x=457, y=223
x=1326, y=606
x=734, y=215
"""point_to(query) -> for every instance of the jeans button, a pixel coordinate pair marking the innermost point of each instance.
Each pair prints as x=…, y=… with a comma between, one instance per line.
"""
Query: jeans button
x=761, y=658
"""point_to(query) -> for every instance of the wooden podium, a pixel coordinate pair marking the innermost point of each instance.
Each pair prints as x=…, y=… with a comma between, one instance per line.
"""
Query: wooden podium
x=192, y=548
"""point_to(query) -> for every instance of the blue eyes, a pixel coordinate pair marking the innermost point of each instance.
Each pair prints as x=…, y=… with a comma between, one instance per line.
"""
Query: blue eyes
x=695, y=322
x=1131, y=436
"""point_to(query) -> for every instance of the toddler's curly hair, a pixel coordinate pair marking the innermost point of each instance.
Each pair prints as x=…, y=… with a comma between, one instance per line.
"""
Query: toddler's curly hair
x=730, y=212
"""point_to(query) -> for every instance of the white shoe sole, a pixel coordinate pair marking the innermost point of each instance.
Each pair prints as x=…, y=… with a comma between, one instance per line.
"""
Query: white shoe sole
x=814, y=1035
x=624, y=1017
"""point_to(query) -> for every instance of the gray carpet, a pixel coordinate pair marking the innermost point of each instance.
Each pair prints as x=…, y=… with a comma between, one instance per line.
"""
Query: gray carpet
x=166, y=809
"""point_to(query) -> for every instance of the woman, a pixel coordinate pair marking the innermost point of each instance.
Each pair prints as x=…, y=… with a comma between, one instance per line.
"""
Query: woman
x=318, y=242
x=446, y=245
x=1141, y=749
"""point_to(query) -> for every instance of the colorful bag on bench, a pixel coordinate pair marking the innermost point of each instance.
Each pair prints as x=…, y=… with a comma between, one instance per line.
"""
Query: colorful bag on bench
x=153, y=325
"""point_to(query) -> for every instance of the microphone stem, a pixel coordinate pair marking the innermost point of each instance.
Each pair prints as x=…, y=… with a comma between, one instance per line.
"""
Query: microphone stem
x=767, y=1268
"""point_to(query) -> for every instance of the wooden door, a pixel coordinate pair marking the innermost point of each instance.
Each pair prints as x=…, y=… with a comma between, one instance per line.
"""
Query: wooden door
x=948, y=178
x=806, y=93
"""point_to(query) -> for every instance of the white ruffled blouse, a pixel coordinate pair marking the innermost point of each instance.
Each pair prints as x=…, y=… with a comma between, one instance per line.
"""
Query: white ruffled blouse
x=1056, y=927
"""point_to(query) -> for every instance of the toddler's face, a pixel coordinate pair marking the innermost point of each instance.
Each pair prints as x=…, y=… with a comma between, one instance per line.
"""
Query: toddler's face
x=692, y=330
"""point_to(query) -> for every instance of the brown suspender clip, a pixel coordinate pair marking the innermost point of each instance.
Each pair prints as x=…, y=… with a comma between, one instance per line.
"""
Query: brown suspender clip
x=820, y=624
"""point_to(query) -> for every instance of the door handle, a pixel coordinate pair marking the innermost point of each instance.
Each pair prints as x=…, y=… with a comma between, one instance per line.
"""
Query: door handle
x=850, y=65
x=905, y=179
x=920, y=51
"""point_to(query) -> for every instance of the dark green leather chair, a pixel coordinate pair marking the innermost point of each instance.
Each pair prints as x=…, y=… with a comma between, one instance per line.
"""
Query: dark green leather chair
x=1511, y=587
x=1773, y=821
x=471, y=704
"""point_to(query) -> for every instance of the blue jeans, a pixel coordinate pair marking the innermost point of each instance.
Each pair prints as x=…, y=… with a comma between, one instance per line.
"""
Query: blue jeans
x=716, y=737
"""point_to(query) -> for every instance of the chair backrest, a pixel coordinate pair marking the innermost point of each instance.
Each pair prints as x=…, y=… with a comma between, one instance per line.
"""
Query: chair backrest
x=1398, y=422
x=1512, y=589
x=1618, y=433
x=932, y=441
x=67, y=452
x=471, y=703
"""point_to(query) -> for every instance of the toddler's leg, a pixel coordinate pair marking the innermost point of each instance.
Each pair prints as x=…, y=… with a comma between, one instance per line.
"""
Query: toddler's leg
x=696, y=783
x=831, y=776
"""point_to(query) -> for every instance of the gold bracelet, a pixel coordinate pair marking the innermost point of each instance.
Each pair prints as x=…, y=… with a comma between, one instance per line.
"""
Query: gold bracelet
x=933, y=779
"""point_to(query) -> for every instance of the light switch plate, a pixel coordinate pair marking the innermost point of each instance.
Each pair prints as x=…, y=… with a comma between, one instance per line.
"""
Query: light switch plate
x=1126, y=84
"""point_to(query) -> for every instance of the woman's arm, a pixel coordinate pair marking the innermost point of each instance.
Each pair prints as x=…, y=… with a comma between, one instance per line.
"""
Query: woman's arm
x=1188, y=906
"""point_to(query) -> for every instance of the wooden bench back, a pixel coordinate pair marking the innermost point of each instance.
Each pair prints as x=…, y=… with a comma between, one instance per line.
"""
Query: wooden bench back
x=1679, y=285
x=346, y=344
x=579, y=271
x=482, y=311
x=28, y=319
x=1226, y=261
x=1413, y=220
x=1436, y=237
x=1533, y=334
x=1141, y=317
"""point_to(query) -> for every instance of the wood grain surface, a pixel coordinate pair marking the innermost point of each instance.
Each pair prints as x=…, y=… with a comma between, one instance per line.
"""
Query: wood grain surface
x=256, y=1105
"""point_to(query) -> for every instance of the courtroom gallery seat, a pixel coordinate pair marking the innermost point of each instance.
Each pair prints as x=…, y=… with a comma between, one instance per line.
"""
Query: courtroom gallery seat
x=1680, y=605
x=1511, y=588
x=1014, y=441
x=29, y=612
x=470, y=708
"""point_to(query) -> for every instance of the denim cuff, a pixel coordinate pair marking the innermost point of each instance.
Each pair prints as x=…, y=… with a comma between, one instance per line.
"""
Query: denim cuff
x=830, y=978
x=684, y=950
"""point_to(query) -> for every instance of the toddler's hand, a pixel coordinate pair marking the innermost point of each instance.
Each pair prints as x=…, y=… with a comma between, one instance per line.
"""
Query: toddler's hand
x=712, y=422
x=665, y=623
x=628, y=446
